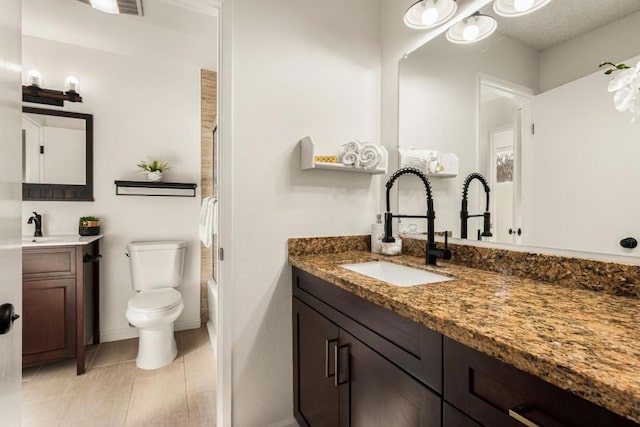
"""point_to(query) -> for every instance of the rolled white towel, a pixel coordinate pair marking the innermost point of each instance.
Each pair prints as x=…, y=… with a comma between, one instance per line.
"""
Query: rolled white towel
x=351, y=147
x=370, y=156
x=351, y=159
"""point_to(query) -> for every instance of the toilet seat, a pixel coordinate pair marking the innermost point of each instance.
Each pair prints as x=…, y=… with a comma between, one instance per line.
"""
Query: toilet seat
x=155, y=300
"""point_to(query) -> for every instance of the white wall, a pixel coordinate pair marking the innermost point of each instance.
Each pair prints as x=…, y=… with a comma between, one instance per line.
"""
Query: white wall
x=142, y=108
x=584, y=168
x=580, y=56
x=299, y=68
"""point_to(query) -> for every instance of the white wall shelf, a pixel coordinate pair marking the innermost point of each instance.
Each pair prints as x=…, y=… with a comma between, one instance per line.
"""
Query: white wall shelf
x=147, y=188
x=448, y=161
x=308, y=153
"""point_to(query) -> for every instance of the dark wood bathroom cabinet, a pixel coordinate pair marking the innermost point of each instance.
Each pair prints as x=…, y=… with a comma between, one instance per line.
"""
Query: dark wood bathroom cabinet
x=358, y=364
x=60, y=297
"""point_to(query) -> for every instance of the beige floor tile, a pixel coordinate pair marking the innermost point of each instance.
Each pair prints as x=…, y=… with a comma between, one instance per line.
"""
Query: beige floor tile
x=202, y=409
x=114, y=352
x=107, y=405
x=29, y=373
x=89, y=355
x=194, y=339
x=114, y=392
x=200, y=370
x=159, y=401
x=104, y=378
x=52, y=381
x=175, y=367
x=46, y=413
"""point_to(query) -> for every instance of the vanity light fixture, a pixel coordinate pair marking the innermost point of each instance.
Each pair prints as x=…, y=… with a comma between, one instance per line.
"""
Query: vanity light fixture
x=106, y=6
x=513, y=8
x=34, y=93
x=472, y=29
x=429, y=13
x=34, y=78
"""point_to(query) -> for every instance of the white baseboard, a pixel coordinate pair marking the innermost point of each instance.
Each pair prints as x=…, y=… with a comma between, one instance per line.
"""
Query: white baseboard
x=131, y=332
x=289, y=422
x=184, y=325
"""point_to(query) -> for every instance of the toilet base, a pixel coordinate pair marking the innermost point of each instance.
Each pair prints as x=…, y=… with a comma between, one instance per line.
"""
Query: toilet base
x=156, y=347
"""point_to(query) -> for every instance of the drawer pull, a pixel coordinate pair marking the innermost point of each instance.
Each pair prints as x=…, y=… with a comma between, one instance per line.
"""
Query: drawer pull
x=327, y=357
x=521, y=418
x=337, y=350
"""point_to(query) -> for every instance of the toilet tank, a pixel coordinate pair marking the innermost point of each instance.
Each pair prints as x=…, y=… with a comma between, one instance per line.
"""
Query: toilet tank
x=156, y=264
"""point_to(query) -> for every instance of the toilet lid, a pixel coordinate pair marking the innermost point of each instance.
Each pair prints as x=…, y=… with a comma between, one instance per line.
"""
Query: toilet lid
x=155, y=299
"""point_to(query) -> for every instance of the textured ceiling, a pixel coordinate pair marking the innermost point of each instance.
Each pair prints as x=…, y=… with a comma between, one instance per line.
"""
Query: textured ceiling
x=562, y=20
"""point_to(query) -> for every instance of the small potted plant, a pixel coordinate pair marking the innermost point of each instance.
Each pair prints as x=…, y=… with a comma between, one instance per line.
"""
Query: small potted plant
x=154, y=169
x=89, y=226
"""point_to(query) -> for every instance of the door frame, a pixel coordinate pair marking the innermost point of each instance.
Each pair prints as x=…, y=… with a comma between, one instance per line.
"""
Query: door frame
x=10, y=209
x=523, y=97
x=225, y=268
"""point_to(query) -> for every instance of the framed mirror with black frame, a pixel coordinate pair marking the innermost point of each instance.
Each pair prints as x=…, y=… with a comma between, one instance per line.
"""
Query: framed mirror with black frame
x=57, y=155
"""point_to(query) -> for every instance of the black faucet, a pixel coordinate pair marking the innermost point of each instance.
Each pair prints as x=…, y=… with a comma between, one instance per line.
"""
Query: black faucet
x=432, y=250
x=464, y=214
x=37, y=220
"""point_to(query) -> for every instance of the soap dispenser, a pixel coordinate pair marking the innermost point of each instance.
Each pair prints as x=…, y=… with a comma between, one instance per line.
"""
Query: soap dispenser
x=377, y=233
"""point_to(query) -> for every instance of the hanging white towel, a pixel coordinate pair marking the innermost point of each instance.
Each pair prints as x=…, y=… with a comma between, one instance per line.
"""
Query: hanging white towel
x=208, y=220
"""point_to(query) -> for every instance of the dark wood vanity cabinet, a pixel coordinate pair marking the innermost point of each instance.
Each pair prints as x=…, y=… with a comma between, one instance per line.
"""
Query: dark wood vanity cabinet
x=60, y=302
x=340, y=380
x=496, y=394
x=357, y=364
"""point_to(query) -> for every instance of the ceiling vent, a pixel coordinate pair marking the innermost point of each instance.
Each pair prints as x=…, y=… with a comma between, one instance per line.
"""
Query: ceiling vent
x=127, y=7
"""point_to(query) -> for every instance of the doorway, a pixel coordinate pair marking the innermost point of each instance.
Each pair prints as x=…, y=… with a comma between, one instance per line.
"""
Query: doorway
x=141, y=83
x=504, y=124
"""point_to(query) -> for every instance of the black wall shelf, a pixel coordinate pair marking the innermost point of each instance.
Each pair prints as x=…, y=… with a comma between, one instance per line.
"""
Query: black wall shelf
x=148, y=188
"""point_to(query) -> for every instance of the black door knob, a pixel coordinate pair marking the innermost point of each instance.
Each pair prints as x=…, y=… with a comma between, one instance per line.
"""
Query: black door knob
x=511, y=231
x=7, y=317
x=629, y=243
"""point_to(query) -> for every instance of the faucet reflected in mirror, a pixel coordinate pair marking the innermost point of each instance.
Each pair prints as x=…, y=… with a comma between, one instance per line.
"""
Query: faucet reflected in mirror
x=464, y=213
x=432, y=250
x=36, y=220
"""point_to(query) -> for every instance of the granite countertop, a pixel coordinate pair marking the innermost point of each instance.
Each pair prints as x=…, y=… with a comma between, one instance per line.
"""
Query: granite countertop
x=582, y=341
x=58, y=240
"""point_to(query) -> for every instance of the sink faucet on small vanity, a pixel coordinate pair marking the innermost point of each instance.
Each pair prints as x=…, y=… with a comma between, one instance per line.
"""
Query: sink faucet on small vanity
x=36, y=219
x=432, y=250
x=464, y=213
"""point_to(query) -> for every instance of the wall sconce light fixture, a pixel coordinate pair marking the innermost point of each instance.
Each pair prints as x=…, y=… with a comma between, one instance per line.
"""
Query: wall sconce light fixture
x=472, y=29
x=426, y=14
x=33, y=92
x=429, y=13
x=513, y=8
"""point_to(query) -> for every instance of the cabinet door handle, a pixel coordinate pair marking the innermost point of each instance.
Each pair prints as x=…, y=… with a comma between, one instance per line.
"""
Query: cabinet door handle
x=337, y=380
x=327, y=357
x=513, y=413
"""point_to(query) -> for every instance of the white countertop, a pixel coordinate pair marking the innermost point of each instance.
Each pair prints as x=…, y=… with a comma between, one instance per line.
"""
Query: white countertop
x=59, y=240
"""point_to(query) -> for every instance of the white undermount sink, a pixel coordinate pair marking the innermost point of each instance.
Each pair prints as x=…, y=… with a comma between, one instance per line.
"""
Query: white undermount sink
x=398, y=275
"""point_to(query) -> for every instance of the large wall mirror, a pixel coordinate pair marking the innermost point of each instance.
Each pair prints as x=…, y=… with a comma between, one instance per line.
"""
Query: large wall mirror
x=529, y=109
x=57, y=155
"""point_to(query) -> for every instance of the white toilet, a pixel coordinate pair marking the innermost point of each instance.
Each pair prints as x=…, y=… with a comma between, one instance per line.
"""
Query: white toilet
x=156, y=268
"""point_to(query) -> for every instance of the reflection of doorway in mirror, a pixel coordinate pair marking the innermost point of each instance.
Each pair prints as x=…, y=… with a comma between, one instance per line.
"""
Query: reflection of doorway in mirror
x=505, y=114
x=501, y=183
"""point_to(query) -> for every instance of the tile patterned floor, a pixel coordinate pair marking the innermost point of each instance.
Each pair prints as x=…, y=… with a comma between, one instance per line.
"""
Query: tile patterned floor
x=114, y=392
